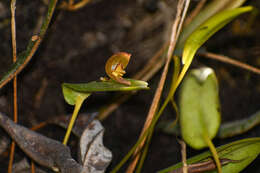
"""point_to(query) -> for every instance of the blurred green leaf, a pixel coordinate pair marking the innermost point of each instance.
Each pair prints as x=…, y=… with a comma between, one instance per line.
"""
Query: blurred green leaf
x=203, y=33
x=243, y=152
x=207, y=29
x=199, y=107
x=209, y=10
x=71, y=91
x=239, y=126
x=227, y=129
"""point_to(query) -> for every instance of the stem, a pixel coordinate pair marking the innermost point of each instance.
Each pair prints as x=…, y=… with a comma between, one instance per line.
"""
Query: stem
x=231, y=61
x=176, y=27
x=32, y=167
x=79, y=101
x=13, y=33
x=144, y=153
x=214, y=152
x=128, y=155
x=195, y=12
x=156, y=117
x=25, y=57
x=184, y=156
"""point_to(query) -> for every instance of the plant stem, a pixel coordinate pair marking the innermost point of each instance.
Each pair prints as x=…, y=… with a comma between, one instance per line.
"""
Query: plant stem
x=176, y=27
x=195, y=12
x=184, y=156
x=13, y=33
x=128, y=155
x=214, y=152
x=25, y=57
x=79, y=101
x=231, y=61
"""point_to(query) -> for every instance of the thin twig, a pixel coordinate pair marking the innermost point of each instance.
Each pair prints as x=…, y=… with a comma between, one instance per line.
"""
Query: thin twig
x=13, y=28
x=194, y=12
x=151, y=63
x=40, y=93
x=40, y=125
x=32, y=167
x=174, y=35
x=11, y=157
x=184, y=156
x=71, y=6
x=231, y=61
x=31, y=48
x=13, y=33
x=17, y=67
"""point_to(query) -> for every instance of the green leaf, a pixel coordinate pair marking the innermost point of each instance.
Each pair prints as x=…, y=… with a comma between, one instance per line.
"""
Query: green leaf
x=227, y=129
x=209, y=10
x=207, y=29
x=239, y=126
x=199, y=107
x=203, y=33
x=243, y=152
x=71, y=91
x=71, y=95
x=107, y=86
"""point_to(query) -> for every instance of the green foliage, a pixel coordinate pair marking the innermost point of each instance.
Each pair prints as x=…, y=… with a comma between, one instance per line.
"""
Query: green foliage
x=203, y=33
x=207, y=29
x=240, y=126
x=243, y=152
x=199, y=107
x=198, y=129
x=75, y=94
x=211, y=9
x=71, y=91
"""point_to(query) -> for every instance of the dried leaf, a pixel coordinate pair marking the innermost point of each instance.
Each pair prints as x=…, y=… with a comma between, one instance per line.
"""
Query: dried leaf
x=81, y=122
x=94, y=156
x=45, y=151
x=4, y=143
x=24, y=166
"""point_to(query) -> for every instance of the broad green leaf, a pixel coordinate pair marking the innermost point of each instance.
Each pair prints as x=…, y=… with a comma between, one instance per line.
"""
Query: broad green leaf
x=71, y=91
x=199, y=107
x=243, y=152
x=207, y=29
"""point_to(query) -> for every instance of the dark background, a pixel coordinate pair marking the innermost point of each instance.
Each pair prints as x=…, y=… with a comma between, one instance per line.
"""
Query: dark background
x=76, y=48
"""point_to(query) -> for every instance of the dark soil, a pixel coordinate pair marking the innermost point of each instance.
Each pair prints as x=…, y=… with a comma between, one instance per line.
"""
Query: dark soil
x=76, y=48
